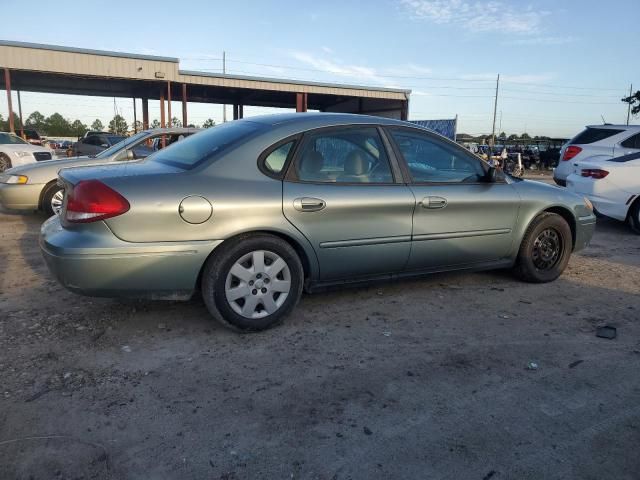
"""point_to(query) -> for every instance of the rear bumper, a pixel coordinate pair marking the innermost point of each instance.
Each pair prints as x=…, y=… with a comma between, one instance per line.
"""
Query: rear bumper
x=20, y=197
x=607, y=199
x=92, y=261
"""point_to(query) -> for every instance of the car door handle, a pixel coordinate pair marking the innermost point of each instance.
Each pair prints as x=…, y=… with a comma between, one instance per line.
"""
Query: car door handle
x=309, y=204
x=433, y=202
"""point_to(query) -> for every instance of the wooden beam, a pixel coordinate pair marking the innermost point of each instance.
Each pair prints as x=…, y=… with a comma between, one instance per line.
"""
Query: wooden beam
x=7, y=83
x=184, y=104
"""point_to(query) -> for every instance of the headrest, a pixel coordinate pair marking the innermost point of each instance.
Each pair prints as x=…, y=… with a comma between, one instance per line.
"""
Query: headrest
x=312, y=162
x=356, y=164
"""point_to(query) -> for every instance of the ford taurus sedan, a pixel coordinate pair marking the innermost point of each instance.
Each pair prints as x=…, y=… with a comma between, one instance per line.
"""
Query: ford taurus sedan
x=252, y=212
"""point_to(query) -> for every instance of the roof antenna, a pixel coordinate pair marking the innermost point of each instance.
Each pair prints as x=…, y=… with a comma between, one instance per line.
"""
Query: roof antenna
x=604, y=122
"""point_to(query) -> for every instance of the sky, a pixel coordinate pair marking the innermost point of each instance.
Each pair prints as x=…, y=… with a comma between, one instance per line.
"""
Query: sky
x=563, y=64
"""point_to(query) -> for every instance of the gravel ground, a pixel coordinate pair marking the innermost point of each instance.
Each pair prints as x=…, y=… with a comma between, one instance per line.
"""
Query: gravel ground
x=414, y=379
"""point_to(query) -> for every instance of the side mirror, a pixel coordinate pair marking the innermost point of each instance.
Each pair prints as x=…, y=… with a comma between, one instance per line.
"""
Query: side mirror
x=490, y=177
x=130, y=155
x=104, y=145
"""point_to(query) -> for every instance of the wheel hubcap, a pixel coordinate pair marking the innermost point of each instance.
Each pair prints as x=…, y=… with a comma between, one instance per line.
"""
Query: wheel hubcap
x=258, y=284
x=4, y=164
x=547, y=249
x=56, y=202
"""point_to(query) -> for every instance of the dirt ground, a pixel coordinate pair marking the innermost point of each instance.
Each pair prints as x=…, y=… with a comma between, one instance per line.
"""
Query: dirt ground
x=417, y=379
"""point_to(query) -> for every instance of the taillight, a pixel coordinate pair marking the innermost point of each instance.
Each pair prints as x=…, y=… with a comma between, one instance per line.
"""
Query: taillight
x=594, y=173
x=571, y=152
x=92, y=200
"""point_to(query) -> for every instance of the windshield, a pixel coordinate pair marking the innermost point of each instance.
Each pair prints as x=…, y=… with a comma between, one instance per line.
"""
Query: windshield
x=120, y=145
x=202, y=146
x=8, y=139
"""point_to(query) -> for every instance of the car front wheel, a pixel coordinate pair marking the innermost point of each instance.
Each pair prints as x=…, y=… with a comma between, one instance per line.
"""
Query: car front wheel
x=52, y=200
x=545, y=249
x=5, y=162
x=252, y=282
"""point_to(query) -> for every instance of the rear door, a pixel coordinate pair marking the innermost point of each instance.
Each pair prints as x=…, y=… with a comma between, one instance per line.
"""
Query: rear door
x=460, y=219
x=344, y=194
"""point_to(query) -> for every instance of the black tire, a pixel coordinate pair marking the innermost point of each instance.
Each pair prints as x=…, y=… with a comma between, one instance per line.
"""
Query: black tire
x=536, y=262
x=5, y=162
x=634, y=217
x=50, y=191
x=218, y=266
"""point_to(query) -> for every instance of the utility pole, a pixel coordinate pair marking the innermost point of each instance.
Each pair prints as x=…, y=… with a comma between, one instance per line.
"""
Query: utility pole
x=495, y=108
x=629, y=107
x=224, y=71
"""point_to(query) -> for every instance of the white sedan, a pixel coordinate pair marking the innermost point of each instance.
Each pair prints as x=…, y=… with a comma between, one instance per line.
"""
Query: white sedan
x=611, y=184
x=15, y=151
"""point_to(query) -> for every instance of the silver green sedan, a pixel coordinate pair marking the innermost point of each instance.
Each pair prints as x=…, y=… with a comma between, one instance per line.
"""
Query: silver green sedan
x=34, y=186
x=252, y=212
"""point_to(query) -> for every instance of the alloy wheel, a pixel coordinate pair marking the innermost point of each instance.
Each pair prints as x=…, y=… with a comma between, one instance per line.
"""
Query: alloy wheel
x=258, y=284
x=56, y=202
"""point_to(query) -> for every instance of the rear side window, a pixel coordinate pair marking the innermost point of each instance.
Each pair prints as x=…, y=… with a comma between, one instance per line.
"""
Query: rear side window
x=274, y=161
x=632, y=142
x=198, y=148
x=592, y=135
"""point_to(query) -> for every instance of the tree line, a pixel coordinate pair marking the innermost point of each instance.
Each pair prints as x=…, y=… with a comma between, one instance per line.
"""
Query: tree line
x=57, y=125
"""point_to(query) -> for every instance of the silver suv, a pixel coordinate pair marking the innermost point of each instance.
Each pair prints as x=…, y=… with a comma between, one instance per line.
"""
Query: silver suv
x=596, y=140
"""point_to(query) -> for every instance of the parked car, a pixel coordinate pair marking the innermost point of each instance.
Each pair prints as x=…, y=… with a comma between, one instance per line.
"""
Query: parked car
x=34, y=187
x=32, y=136
x=95, y=143
x=602, y=140
x=612, y=185
x=15, y=151
x=253, y=211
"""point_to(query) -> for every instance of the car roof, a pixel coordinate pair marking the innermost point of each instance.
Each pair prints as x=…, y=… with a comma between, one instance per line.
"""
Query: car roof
x=173, y=130
x=615, y=126
x=323, y=117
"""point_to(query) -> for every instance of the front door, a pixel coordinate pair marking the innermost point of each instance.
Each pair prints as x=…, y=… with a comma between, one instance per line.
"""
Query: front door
x=460, y=219
x=340, y=192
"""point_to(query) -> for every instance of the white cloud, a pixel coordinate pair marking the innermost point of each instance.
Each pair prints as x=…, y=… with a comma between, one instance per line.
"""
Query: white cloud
x=479, y=16
x=353, y=71
x=326, y=49
x=543, y=40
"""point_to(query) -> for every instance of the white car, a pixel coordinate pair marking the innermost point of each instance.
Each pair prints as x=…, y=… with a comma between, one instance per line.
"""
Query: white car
x=611, y=184
x=605, y=140
x=15, y=151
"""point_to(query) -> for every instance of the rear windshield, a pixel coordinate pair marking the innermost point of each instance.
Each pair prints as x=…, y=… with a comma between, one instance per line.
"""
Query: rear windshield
x=9, y=139
x=202, y=146
x=113, y=139
x=592, y=135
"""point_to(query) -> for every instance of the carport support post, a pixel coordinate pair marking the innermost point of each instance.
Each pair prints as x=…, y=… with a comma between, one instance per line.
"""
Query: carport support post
x=145, y=113
x=301, y=102
x=135, y=119
x=162, y=109
x=236, y=111
x=184, y=104
x=7, y=83
x=169, y=103
x=20, y=115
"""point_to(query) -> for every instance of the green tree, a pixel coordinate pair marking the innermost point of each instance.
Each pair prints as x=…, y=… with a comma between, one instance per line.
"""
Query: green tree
x=56, y=124
x=118, y=125
x=175, y=122
x=137, y=126
x=97, y=125
x=513, y=136
x=525, y=136
x=36, y=121
x=209, y=122
x=155, y=123
x=78, y=128
x=502, y=135
x=634, y=101
x=4, y=124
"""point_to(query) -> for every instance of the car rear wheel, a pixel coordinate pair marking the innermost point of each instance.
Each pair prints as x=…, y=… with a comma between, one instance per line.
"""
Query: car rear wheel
x=253, y=282
x=545, y=249
x=5, y=162
x=52, y=200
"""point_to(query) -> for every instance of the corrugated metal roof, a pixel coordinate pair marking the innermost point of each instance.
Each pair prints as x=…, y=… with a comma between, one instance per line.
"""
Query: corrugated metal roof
x=106, y=53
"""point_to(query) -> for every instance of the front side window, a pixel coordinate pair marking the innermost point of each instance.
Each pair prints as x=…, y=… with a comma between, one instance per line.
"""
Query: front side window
x=430, y=160
x=348, y=155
